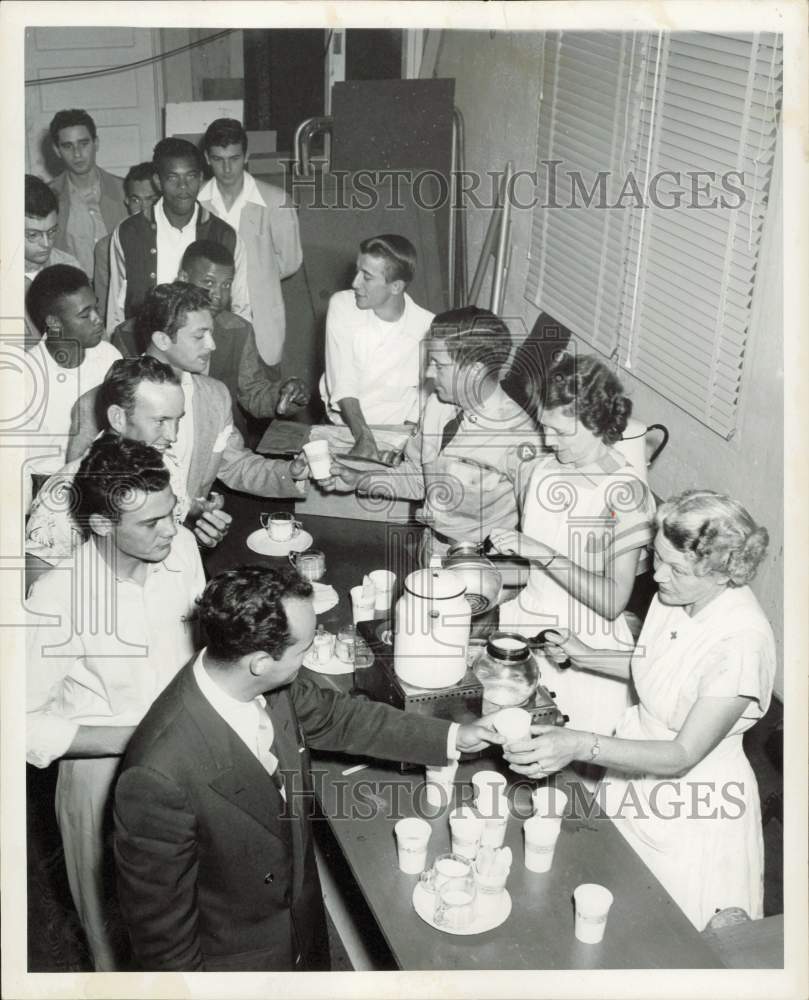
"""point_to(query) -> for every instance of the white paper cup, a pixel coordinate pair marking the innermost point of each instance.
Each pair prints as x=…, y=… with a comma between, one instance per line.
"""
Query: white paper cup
x=494, y=832
x=514, y=723
x=317, y=455
x=412, y=837
x=541, y=835
x=362, y=611
x=490, y=885
x=549, y=801
x=439, y=782
x=466, y=829
x=384, y=582
x=490, y=789
x=593, y=903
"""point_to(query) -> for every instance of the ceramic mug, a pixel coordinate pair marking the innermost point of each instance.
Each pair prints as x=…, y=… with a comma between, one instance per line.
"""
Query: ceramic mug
x=281, y=526
x=310, y=565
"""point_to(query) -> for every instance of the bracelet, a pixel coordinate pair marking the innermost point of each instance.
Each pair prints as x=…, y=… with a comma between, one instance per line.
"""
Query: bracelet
x=595, y=749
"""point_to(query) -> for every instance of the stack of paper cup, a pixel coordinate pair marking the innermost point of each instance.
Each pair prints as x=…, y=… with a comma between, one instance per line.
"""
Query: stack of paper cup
x=439, y=782
x=317, y=455
x=362, y=601
x=466, y=830
x=593, y=903
x=491, y=803
x=384, y=581
x=412, y=836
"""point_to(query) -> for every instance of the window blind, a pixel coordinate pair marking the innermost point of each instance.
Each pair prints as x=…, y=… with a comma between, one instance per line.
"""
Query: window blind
x=708, y=106
x=585, y=128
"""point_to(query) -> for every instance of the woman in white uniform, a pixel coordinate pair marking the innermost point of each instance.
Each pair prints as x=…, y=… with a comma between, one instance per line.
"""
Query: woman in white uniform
x=586, y=520
x=679, y=786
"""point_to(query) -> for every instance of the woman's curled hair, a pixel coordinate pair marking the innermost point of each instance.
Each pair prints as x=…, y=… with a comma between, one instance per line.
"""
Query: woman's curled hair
x=717, y=532
x=589, y=390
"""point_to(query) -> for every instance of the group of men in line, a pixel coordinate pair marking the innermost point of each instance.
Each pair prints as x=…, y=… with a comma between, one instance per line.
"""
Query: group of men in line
x=198, y=685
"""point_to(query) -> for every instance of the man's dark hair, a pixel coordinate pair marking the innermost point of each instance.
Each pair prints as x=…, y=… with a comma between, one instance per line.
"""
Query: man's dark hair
x=241, y=611
x=112, y=474
x=225, y=132
x=49, y=287
x=123, y=378
x=40, y=201
x=398, y=253
x=473, y=335
x=208, y=250
x=175, y=149
x=165, y=308
x=70, y=118
x=140, y=172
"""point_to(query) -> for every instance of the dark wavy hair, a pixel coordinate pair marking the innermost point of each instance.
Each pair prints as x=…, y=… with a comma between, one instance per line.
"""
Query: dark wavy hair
x=225, y=132
x=716, y=533
x=40, y=201
x=165, y=308
x=123, y=378
x=398, y=253
x=140, y=172
x=587, y=389
x=112, y=474
x=470, y=335
x=49, y=287
x=69, y=118
x=241, y=611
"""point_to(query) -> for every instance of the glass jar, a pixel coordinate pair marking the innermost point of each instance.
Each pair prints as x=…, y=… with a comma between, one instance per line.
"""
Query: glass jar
x=507, y=670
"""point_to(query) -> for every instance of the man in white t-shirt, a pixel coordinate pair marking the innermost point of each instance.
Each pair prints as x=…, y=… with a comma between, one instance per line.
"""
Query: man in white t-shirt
x=70, y=359
x=373, y=337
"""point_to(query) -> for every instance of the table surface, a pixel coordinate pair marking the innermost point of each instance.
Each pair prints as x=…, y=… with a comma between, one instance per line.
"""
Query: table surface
x=646, y=929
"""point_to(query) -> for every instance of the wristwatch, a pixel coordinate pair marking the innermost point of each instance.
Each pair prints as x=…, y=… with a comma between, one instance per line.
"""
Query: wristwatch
x=595, y=749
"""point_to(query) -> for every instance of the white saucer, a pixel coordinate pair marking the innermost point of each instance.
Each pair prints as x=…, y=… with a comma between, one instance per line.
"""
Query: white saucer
x=491, y=915
x=259, y=541
x=324, y=597
x=332, y=666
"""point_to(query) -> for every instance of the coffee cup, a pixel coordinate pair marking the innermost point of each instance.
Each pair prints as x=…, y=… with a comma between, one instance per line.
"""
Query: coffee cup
x=466, y=829
x=455, y=903
x=362, y=608
x=384, y=581
x=490, y=794
x=310, y=565
x=412, y=836
x=549, y=801
x=541, y=834
x=592, y=904
x=317, y=455
x=439, y=784
x=281, y=526
x=514, y=723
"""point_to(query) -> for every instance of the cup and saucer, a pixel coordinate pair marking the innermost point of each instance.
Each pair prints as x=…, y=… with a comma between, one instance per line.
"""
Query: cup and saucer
x=279, y=535
x=435, y=887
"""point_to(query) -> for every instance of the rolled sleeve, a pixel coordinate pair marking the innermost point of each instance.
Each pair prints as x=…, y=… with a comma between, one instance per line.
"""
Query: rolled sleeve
x=48, y=737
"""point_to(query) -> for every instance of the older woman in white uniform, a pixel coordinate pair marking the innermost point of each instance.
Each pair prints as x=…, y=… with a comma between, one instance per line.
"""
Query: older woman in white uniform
x=586, y=521
x=679, y=786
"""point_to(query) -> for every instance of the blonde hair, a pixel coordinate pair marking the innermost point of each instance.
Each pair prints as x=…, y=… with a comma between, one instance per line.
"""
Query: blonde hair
x=716, y=532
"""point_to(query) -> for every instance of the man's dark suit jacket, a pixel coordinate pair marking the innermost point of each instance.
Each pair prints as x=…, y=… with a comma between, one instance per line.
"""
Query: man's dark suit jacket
x=211, y=875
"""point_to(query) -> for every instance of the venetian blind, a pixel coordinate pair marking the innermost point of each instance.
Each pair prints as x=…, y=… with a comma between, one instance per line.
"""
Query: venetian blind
x=587, y=128
x=708, y=110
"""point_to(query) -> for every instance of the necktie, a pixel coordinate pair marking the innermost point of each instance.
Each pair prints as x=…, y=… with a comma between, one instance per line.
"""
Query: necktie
x=265, y=742
x=451, y=429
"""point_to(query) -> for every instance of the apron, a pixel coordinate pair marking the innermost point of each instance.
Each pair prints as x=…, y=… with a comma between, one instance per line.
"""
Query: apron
x=700, y=833
x=565, y=510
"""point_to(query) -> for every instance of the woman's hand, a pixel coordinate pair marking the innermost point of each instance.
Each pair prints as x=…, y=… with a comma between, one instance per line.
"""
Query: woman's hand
x=561, y=645
x=512, y=542
x=549, y=749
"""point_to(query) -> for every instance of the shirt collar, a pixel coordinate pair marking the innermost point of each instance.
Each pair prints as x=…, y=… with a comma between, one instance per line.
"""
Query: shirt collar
x=249, y=193
x=94, y=191
x=224, y=703
x=161, y=220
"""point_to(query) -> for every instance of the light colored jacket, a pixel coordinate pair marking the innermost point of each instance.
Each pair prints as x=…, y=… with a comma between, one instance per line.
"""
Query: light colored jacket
x=272, y=246
x=112, y=205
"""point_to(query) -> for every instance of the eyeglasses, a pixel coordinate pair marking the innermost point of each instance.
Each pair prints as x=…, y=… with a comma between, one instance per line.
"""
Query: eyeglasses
x=41, y=235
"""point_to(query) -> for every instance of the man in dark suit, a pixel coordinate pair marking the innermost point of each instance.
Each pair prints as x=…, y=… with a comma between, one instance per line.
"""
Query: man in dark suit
x=213, y=840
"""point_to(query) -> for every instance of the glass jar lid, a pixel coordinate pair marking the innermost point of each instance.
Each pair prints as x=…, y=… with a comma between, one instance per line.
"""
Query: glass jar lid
x=509, y=646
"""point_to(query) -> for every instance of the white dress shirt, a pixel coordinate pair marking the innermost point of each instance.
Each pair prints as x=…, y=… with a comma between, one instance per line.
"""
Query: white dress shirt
x=233, y=215
x=373, y=361
x=101, y=648
x=172, y=242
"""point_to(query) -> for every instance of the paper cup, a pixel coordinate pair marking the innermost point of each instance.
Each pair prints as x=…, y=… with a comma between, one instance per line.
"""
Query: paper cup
x=490, y=789
x=549, y=801
x=412, y=837
x=466, y=829
x=361, y=610
x=593, y=903
x=439, y=782
x=513, y=723
x=494, y=832
x=540, y=835
x=317, y=455
x=490, y=885
x=384, y=581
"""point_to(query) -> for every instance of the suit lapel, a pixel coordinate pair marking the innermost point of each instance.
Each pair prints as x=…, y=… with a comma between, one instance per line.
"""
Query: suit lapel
x=287, y=748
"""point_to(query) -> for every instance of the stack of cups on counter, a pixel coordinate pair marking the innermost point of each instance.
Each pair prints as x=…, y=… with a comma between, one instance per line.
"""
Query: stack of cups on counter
x=541, y=830
x=375, y=593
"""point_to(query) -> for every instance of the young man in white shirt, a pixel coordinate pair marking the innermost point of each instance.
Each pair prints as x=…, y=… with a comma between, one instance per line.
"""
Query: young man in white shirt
x=373, y=337
x=71, y=358
x=109, y=632
x=266, y=222
x=146, y=252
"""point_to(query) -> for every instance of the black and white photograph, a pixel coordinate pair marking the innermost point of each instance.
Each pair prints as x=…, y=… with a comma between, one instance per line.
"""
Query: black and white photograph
x=404, y=496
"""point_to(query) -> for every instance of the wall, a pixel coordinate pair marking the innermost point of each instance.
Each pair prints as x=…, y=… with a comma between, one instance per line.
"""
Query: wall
x=183, y=74
x=497, y=89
